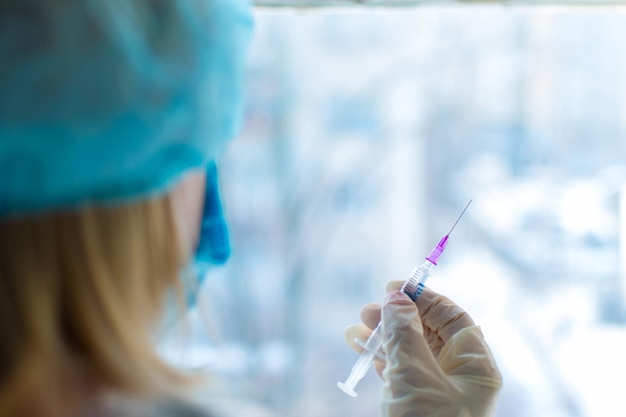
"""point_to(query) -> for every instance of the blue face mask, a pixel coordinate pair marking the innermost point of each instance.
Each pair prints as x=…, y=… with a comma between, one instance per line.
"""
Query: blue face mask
x=214, y=245
x=213, y=249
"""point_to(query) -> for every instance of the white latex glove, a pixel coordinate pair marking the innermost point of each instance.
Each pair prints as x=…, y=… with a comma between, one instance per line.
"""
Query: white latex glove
x=437, y=361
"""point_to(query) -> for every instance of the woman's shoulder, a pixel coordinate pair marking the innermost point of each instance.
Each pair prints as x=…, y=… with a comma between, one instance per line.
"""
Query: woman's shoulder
x=177, y=409
x=162, y=408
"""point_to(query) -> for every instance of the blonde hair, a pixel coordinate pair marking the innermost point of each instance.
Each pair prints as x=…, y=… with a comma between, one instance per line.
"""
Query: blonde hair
x=80, y=293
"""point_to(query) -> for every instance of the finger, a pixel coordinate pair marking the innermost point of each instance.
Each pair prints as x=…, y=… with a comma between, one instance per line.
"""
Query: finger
x=441, y=314
x=400, y=315
x=394, y=286
x=370, y=315
x=356, y=331
x=435, y=343
x=379, y=365
x=410, y=362
x=438, y=312
x=469, y=354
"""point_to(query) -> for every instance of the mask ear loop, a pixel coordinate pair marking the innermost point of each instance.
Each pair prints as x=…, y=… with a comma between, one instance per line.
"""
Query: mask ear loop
x=173, y=332
x=177, y=299
x=213, y=249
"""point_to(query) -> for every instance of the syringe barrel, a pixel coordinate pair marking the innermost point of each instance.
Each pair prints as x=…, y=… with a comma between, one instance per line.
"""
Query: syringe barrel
x=414, y=286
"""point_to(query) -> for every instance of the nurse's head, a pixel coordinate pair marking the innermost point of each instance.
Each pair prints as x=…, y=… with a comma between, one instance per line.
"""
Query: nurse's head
x=111, y=115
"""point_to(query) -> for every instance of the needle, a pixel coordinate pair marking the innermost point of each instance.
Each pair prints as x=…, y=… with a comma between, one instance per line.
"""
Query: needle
x=459, y=218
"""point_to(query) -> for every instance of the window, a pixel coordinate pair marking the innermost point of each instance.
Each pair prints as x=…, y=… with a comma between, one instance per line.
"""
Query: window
x=368, y=129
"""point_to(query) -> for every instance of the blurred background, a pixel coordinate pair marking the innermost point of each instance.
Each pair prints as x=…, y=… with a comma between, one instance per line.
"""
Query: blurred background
x=366, y=133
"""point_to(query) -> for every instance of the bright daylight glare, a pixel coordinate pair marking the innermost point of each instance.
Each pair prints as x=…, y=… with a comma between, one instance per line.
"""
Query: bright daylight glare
x=367, y=130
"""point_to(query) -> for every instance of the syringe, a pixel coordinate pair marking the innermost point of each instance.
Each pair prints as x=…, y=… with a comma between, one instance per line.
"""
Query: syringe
x=412, y=287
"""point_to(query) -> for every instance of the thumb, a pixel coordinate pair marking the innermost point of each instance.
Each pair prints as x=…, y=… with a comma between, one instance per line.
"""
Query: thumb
x=410, y=363
x=399, y=316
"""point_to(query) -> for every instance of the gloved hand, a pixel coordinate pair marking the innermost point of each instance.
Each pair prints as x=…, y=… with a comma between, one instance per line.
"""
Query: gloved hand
x=437, y=361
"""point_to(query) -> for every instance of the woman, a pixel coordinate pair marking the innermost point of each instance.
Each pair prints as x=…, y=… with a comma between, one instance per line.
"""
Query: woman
x=111, y=115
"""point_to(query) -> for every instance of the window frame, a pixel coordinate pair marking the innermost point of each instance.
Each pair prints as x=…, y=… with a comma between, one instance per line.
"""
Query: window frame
x=413, y=3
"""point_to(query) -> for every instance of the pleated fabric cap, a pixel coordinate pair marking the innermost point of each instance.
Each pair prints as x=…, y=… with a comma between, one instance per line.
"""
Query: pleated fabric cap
x=103, y=102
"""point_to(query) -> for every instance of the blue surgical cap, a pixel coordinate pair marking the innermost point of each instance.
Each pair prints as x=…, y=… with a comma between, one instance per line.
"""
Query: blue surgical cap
x=107, y=101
